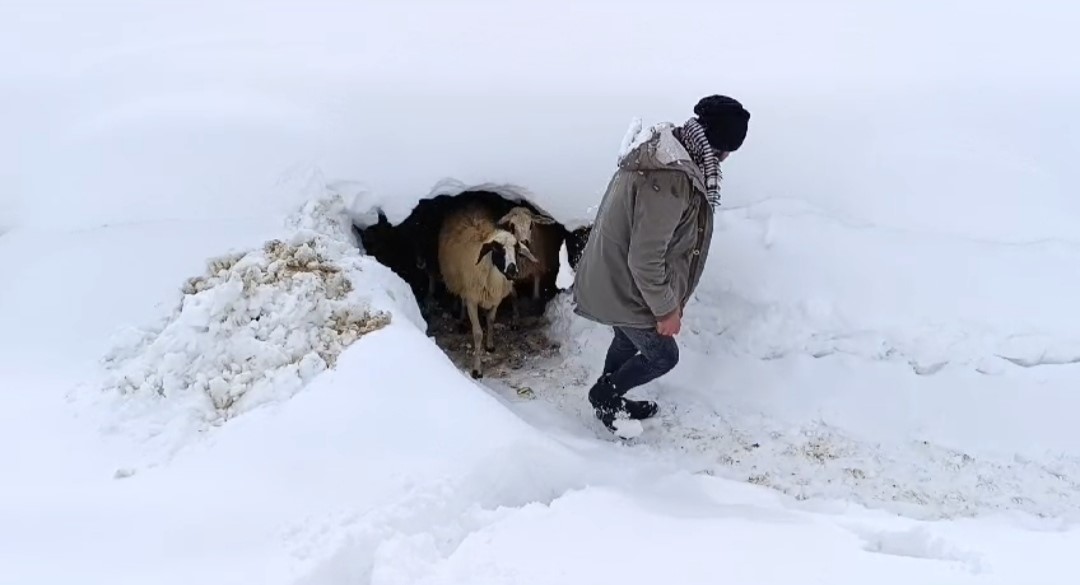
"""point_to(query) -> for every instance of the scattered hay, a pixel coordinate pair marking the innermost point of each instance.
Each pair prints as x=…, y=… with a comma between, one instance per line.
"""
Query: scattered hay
x=255, y=327
x=284, y=263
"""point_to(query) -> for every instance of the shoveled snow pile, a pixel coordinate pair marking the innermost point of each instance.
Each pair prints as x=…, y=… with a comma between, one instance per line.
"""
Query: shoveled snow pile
x=258, y=325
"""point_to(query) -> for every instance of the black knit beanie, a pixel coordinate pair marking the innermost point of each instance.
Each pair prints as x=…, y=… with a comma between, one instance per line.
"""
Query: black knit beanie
x=725, y=121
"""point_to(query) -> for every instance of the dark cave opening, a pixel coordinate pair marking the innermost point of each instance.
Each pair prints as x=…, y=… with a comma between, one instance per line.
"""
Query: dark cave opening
x=410, y=250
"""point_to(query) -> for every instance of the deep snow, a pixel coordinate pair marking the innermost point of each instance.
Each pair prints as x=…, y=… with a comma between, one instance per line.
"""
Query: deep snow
x=375, y=472
x=878, y=374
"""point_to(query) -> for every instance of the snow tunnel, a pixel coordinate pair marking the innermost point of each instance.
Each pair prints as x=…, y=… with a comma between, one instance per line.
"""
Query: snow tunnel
x=410, y=249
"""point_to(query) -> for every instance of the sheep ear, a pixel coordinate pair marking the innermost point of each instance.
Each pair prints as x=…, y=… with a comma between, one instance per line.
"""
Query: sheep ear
x=484, y=250
x=543, y=220
x=526, y=252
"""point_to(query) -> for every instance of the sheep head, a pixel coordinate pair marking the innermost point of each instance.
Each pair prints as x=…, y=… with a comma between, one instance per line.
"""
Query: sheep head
x=504, y=249
x=520, y=220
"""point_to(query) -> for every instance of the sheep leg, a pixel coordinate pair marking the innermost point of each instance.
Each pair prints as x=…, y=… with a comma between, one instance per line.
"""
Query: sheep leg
x=464, y=325
x=489, y=342
x=515, y=314
x=478, y=338
x=536, y=287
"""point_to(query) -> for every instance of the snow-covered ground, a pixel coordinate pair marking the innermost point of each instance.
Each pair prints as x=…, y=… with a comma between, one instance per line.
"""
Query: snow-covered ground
x=384, y=472
x=878, y=371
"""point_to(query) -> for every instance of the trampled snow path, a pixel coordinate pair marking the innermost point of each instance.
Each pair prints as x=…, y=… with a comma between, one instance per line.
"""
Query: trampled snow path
x=810, y=461
x=914, y=421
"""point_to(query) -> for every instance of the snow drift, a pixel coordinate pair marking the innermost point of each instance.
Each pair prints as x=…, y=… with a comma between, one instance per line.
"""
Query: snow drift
x=258, y=325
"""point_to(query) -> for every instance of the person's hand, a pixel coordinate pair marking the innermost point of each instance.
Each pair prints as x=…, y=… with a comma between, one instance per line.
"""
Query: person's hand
x=670, y=324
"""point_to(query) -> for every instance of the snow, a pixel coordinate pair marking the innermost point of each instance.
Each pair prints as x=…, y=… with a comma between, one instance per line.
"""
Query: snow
x=565, y=279
x=635, y=137
x=877, y=375
x=259, y=325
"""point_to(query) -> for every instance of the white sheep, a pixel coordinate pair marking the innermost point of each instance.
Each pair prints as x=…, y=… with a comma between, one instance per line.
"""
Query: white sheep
x=531, y=230
x=477, y=262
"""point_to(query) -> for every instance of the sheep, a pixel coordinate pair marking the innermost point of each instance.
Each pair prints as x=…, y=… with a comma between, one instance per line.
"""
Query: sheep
x=477, y=262
x=418, y=237
x=542, y=237
x=387, y=244
x=575, y=244
x=431, y=273
x=408, y=250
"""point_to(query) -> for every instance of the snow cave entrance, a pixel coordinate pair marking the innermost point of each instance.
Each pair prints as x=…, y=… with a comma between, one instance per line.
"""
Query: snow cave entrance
x=410, y=250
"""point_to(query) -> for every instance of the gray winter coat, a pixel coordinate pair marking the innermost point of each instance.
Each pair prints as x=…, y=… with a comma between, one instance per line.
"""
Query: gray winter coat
x=650, y=240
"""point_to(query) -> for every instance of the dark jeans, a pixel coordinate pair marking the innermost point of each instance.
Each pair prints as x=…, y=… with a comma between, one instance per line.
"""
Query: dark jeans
x=637, y=356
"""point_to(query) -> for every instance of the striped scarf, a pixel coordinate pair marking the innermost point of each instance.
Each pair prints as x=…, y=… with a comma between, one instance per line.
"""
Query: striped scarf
x=693, y=138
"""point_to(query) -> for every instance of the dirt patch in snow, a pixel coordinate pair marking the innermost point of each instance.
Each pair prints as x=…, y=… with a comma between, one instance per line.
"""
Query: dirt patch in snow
x=519, y=344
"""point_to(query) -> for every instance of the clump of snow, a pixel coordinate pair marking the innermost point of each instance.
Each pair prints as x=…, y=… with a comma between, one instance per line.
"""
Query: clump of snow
x=565, y=278
x=630, y=139
x=257, y=325
x=626, y=428
x=636, y=136
x=668, y=148
x=918, y=542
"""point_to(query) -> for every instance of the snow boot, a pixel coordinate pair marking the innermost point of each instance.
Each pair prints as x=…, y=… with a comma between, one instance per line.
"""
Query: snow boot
x=635, y=409
x=640, y=409
x=609, y=407
x=606, y=403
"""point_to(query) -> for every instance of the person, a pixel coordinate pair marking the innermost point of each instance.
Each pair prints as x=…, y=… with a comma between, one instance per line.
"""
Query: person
x=648, y=246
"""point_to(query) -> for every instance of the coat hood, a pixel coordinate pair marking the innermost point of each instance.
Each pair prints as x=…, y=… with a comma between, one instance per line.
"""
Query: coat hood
x=657, y=148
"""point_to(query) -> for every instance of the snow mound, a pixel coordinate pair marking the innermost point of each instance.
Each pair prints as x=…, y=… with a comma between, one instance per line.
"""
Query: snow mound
x=258, y=325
